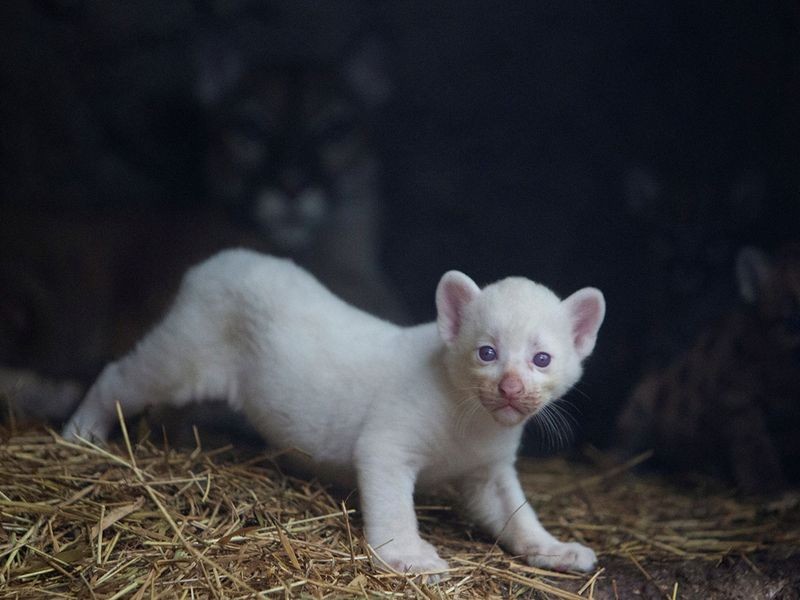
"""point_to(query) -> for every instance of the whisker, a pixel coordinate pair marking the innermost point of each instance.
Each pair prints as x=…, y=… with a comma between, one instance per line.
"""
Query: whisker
x=543, y=425
x=569, y=403
x=547, y=428
x=465, y=415
x=555, y=434
x=580, y=391
x=565, y=411
x=555, y=425
x=568, y=421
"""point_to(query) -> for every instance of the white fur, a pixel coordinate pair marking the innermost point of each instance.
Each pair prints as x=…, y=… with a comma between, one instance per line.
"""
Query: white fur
x=391, y=408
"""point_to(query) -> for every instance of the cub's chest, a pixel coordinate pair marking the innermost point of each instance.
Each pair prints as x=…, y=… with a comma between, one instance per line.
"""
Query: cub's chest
x=460, y=457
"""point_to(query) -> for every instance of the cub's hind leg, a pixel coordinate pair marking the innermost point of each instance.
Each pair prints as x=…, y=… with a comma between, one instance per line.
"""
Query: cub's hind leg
x=181, y=360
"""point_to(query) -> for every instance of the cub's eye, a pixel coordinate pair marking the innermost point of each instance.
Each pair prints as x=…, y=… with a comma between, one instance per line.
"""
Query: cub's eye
x=487, y=353
x=541, y=359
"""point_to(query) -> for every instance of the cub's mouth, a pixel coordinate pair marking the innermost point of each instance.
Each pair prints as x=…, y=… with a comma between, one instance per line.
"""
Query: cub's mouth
x=510, y=411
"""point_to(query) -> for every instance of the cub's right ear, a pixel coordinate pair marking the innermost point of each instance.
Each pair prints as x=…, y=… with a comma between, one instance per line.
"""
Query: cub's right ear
x=454, y=293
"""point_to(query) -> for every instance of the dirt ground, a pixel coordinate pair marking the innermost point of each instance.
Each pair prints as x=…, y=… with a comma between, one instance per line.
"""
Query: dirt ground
x=735, y=578
x=659, y=533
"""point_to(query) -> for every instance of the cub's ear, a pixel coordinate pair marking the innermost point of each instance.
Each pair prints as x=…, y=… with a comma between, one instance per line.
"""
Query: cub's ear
x=586, y=309
x=753, y=269
x=454, y=292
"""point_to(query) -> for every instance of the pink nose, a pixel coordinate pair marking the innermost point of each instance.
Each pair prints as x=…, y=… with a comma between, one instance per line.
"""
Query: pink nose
x=511, y=386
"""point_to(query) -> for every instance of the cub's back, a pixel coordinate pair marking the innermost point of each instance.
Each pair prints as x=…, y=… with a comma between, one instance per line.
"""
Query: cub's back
x=267, y=305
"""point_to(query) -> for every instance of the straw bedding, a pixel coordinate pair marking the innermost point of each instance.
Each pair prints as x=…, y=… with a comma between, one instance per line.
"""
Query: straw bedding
x=139, y=519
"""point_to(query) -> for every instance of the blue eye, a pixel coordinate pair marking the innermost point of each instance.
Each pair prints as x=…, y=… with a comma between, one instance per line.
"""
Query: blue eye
x=487, y=353
x=541, y=359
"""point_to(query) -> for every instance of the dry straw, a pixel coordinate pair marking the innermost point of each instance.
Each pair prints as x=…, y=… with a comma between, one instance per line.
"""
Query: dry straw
x=138, y=520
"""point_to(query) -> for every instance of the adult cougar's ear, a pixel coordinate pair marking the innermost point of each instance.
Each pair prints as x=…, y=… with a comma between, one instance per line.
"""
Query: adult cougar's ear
x=365, y=70
x=218, y=64
x=753, y=269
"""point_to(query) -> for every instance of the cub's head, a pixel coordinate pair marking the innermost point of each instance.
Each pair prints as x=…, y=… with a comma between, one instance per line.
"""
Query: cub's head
x=514, y=346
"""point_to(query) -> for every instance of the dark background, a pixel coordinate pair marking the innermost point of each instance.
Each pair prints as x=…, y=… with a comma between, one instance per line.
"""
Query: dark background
x=633, y=146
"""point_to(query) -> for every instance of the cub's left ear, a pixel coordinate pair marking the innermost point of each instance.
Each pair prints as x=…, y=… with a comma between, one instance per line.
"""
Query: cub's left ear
x=586, y=309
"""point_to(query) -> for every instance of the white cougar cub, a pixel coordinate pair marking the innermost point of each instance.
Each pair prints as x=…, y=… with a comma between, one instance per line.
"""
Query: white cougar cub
x=388, y=407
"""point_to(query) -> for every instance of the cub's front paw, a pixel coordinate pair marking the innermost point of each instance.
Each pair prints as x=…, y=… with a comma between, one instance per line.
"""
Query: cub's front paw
x=561, y=556
x=86, y=427
x=412, y=558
